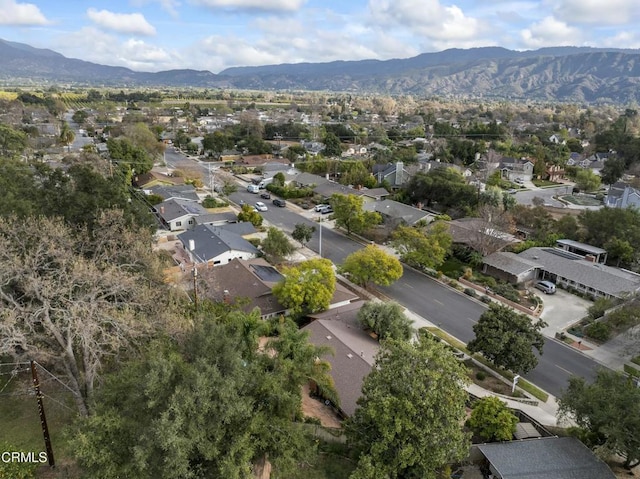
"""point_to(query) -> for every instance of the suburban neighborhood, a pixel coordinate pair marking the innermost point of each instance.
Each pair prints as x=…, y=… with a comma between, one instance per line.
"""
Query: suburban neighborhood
x=299, y=259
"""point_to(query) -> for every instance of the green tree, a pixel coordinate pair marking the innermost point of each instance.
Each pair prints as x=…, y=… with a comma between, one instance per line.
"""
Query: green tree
x=80, y=116
x=599, y=227
x=302, y=233
x=423, y=247
x=67, y=135
x=492, y=420
x=444, y=187
x=307, y=287
x=16, y=470
x=276, y=245
x=386, y=319
x=587, y=180
x=507, y=338
x=348, y=213
x=127, y=154
x=332, y=145
x=607, y=412
x=408, y=419
x=612, y=170
x=620, y=250
x=248, y=213
x=372, y=265
x=216, y=143
x=207, y=407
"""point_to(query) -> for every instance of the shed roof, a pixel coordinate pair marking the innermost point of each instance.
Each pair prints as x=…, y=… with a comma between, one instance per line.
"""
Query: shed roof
x=548, y=458
x=581, y=246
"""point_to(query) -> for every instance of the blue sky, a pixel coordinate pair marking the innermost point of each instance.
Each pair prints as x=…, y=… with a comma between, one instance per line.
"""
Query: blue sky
x=154, y=35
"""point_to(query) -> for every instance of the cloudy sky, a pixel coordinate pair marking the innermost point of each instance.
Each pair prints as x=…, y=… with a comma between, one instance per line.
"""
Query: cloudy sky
x=154, y=35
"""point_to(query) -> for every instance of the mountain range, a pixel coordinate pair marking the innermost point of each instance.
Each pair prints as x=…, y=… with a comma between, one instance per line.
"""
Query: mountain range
x=573, y=74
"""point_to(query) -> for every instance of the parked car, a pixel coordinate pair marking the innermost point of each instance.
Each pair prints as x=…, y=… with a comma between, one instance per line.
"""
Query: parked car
x=320, y=207
x=280, y=203
x=520, y=181
x=265, y=196
x=253, y=189
x=326, y=209
x=546, y=287
x=260, y=206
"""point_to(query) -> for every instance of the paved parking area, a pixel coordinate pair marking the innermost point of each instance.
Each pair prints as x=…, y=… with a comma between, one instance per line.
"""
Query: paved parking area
x=561, y=310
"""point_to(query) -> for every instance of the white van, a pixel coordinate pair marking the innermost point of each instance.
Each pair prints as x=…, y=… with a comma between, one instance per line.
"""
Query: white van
x=253, y=189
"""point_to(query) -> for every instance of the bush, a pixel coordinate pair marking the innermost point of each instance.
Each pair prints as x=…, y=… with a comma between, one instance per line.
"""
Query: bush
x=470, y=292
x=507, y=291
x=211, y=202
x=600, y=331
x=599, y=307
x=486, y=299
x=481, y=375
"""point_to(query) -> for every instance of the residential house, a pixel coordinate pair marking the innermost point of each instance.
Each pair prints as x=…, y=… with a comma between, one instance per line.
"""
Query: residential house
x=557, y=139
x=480, y=235
x=179, y=214
x=564, y=268
x=354, y=350
x=330, y=187
x=304, y=180
x=514, y=168
x=155, y=178
x=218, y=244
x=543, y=458
x=174, y=192
x=312, y=147
x=554, y=172
x=431, y=165
x=394, y=174
x=395, y=213
x=622, y=195
x=240, y=280
x=574, y=159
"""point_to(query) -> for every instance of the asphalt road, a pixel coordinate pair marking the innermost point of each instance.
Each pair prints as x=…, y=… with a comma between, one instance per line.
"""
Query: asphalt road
x=526, y=197
x=451, y=310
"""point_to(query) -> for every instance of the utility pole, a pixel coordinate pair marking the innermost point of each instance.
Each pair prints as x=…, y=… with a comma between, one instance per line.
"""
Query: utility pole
x=320, y=247
x=43, y=418
x=195, y=287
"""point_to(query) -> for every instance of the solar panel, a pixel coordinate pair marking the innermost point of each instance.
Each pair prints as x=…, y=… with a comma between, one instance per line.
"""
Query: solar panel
x=267, y=273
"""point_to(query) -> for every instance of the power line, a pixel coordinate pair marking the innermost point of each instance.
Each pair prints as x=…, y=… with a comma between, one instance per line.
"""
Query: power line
x=56, y=378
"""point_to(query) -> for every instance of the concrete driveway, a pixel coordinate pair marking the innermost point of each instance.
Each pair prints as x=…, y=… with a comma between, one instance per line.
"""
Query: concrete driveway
x=561, y=310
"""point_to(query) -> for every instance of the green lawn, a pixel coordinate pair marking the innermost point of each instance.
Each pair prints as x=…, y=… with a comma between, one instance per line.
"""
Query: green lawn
x=452, y=267
x=582, y=200
x=544, y=183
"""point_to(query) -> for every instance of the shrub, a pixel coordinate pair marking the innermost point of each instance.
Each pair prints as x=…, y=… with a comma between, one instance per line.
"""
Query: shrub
x=599, y=307
x=600, y=331
x=470, y=292
x=481, y=375
x=507, y=291
x=486, y=299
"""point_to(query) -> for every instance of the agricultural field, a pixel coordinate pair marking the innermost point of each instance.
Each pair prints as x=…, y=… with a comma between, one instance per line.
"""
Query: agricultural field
x=74, y=101
x=8, y=95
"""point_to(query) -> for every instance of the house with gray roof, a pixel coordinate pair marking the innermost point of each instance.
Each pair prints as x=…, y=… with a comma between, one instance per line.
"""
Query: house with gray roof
x=304, y=180
x=218, y=244
x=240, y=280
x=394, y=174
x=545, y=458
x=622, y=195
x=514, y=168
x=330, y=188
x=174, y=192
x=395, y=213
x=179, y=214
x=354, y=350
x=564, y=268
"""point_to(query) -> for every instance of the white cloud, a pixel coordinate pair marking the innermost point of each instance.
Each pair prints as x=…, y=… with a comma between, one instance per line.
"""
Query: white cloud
x=170, y=6
x=622, y=40
x=427, y=18
x=267, y=5
x=551, y=33
x=14, y=13
x=597, y=12
x=133, y=23
x=92, y=44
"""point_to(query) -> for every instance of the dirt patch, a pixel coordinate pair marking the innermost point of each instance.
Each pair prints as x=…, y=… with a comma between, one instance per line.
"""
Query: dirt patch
x=489, y=382
x=312, y=407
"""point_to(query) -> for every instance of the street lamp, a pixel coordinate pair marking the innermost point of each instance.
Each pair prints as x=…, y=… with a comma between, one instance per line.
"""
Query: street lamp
x=515, y=381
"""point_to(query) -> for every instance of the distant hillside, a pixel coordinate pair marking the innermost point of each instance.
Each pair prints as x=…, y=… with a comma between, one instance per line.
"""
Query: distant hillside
x=577, y=74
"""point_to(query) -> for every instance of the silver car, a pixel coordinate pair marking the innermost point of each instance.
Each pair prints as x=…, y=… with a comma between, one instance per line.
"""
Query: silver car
x=546, y=287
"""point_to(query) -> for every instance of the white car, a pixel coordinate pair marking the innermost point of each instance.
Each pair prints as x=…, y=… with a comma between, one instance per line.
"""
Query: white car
x=319, y=208
x=260, y=206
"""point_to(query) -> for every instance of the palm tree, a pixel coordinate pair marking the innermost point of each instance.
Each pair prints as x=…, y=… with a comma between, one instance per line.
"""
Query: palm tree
x=67, y=135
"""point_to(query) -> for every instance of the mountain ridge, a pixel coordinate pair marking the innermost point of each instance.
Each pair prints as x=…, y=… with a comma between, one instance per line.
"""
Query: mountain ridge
x=582, y=74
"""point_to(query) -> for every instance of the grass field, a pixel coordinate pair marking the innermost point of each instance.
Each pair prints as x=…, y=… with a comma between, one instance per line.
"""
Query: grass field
x=8, y=95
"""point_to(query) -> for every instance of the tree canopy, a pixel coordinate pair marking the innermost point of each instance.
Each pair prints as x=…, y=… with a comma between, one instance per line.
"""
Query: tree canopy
x=386, y=319
x=372, y=265
x=248, y=213
x=348, y=213
x=608, y=412
x=421, y=246
x=302, y=233
x=408, y=420
x=276, y=245
x=507, y=338
x=444, y=187
x=71, y=298
x=307, y=287
x=492, y=420
x=209, y=407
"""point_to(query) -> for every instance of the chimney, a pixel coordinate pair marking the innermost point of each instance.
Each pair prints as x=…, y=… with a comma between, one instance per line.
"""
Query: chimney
x=162, y=210
x=192, y=245
x=399, y=167
x=590, y=258
x=226, y=297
